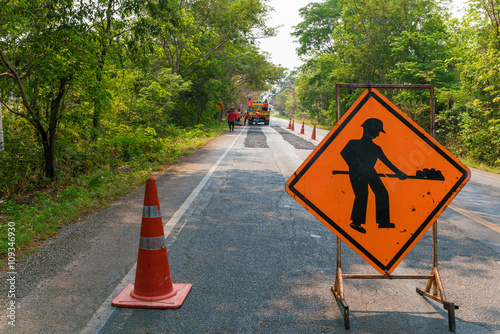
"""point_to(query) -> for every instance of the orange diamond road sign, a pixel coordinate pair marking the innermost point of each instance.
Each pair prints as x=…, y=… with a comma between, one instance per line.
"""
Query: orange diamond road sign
x=219, y=105
x=378, y=181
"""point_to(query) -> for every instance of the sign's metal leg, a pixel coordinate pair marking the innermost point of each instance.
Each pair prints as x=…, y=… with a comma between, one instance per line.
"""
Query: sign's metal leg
x=451, y=315
x=438, y=296
x=437, y=286
x=338, y=288
x=433, y=283
x=338, y=293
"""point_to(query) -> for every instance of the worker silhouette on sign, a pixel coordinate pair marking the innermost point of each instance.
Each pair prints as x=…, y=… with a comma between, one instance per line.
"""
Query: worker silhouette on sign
x=361, y=156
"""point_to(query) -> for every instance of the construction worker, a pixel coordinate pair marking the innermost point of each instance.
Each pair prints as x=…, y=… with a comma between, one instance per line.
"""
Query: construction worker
x=265, y=106
x=250, y=104
x=238, y=116
x=246, y=117
x=361, y=155
x=231, y=117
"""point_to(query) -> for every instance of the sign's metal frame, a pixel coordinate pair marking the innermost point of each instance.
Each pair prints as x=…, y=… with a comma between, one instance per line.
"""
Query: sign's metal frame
x=434, y=280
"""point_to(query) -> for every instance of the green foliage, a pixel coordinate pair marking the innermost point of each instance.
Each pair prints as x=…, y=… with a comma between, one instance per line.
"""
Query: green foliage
x=469, y=132
x=401, y=42
x=76, y=72
x=211, y=49
x=315, y=32
x=370, y=42
x=422, y=57
x=20, y=163
x=481, y=138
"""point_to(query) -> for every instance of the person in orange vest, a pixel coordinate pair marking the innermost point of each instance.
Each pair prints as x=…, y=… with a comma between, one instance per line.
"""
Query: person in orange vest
x=250, y=104
x=238, y=116
x=257, y=116
x=246, y=117
x=231, y=117
x=265, y=106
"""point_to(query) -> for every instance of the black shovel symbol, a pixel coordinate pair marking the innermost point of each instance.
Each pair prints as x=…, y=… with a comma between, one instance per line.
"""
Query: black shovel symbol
x=424, y=174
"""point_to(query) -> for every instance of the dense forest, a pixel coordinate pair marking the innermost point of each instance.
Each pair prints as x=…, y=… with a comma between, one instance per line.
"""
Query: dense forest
x=404, y=42
x=83, y=80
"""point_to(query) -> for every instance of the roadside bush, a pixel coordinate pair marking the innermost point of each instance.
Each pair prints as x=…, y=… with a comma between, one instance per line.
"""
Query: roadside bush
x=128, y=144
x=448, y=128
x=23, y=157
x=482, y=139
x=470, y=132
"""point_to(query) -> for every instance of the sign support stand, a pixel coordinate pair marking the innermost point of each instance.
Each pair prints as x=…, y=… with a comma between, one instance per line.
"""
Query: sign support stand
x=434, y=279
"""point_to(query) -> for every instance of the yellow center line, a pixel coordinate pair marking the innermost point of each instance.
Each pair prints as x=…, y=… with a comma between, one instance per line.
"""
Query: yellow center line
x=475, y=218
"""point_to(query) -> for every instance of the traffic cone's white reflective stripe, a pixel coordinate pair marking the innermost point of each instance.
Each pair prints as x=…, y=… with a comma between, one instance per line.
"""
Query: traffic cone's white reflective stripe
x=150, y=212
x=152, y=243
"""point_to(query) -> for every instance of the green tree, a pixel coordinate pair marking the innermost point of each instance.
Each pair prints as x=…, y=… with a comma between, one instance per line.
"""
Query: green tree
x=370, y=42
x=477, y=57
x=207, y=43
x=314, y=33
x=43, y=52
x=286, y=102
x=111, y=19
x=79, y=72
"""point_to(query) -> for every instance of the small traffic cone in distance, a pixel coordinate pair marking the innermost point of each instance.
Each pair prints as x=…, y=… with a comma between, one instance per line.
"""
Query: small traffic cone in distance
x=289, y=124
x=293, y=125
x=302, y=130
x=313, y=136
x=153, y=287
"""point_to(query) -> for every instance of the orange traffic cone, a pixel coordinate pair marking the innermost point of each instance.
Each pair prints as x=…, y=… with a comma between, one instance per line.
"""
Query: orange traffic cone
x=313, y=136
x=302, y=130
x=289, y=124
x=153, y=286
x=293, y=125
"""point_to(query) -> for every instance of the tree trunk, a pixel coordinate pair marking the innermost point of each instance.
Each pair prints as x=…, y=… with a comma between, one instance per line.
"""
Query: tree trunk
x=48, y=137
x=98, y=99
x=49, y=154
x=200, y=113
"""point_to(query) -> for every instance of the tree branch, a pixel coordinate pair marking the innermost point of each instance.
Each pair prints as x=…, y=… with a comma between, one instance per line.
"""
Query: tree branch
x=18, y=81
x=216, y=47
x=7, y=74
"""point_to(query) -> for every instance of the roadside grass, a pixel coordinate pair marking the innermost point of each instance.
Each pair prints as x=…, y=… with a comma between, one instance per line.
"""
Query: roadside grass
x=471, y=162
x=38, y=216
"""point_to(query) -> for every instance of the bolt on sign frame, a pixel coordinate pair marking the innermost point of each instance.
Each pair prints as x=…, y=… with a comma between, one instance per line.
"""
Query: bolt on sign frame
x=434, y=280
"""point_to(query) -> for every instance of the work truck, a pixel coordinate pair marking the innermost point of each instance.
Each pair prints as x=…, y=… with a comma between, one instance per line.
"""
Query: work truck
x=256, y=115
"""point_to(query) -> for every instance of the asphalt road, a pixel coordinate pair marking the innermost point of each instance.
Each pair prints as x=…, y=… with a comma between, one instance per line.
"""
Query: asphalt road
x=257, y=260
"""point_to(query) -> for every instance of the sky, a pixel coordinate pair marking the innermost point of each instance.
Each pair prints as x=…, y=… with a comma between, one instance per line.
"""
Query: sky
x=286, y=14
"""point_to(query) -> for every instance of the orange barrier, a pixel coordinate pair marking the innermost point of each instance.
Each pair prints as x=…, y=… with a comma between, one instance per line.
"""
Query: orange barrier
x=302, y=130
x=313, y=136
x=153, y=286
x=289, y=124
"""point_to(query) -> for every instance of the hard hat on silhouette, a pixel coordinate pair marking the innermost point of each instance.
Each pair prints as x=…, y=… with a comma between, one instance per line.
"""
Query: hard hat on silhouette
x=373, y=126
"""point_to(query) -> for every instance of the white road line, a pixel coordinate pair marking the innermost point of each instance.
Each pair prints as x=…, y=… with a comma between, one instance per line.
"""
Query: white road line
x=475, y=218
x=106, y=310
x=169, y=226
